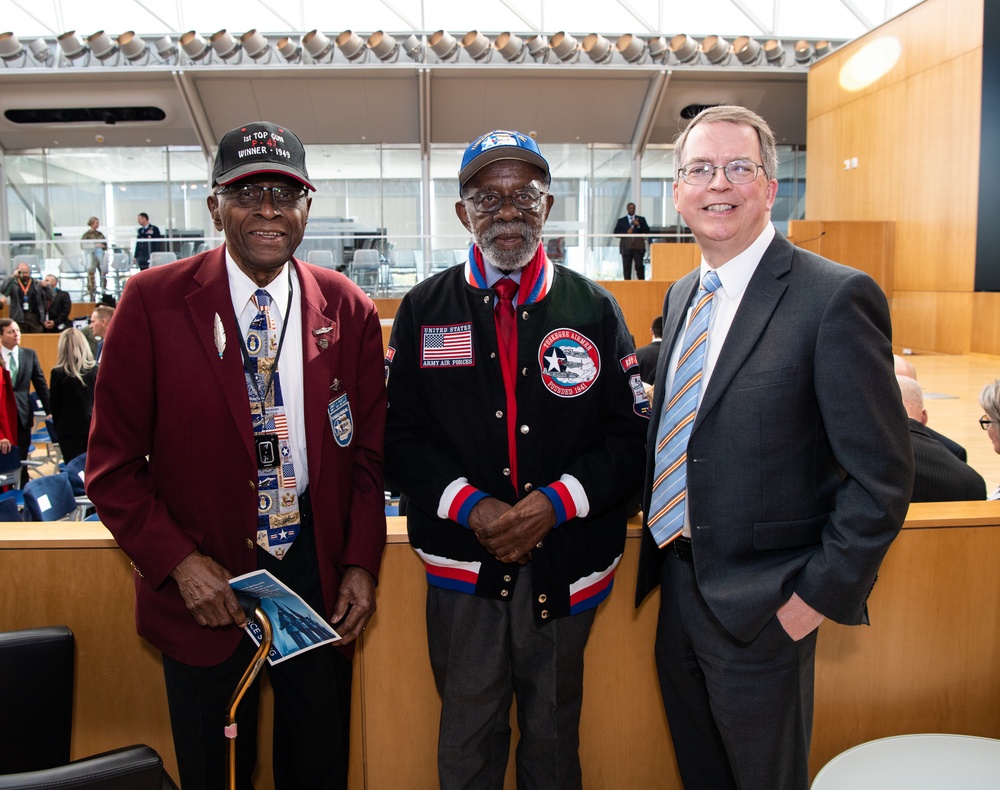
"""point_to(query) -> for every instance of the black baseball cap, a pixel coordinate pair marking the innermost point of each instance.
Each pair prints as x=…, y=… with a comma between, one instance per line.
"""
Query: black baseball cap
x=260, y=147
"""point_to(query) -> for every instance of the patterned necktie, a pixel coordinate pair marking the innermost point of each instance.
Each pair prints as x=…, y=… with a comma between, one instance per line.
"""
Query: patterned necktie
x=13, y=367
x=666, y=510
x=277, y=502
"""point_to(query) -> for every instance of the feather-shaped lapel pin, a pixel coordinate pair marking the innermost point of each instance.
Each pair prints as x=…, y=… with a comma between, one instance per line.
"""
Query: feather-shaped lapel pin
x=220, y=336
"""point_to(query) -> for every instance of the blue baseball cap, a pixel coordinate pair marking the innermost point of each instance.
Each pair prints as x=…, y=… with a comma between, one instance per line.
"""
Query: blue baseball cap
x=500, y=144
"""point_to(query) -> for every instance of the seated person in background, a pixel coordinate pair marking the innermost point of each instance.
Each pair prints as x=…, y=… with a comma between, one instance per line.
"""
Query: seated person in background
x=650, y=353
x=938, y=475
x=56, y=305
x=989, y=399
x=904, y=368
x=71, y=392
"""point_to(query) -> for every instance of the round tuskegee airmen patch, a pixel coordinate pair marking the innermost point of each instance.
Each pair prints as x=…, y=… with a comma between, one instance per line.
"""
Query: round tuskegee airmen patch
x=570, y=363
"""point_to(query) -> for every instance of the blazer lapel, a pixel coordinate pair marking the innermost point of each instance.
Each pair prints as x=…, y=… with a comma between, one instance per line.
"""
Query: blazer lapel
x=761, y=299
x=320, y=357
x=210, y=300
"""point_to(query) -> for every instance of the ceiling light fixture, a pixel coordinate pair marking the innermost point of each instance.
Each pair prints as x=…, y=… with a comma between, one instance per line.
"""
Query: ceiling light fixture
x=598, y=48
x=102, y=46
x=632, y=48
x=72, y=46
x=511, y=47
x=774, y=53
x=716, y=50
x=133, y=47
x=227, y=47
x=256, y=46
x=538, y=48
x=564, y=47
x=684, y=48
x=351, y=45
x=444, y=45
x=384, y=46
x=748, y=51
x=477, y=46
x=290, y=50
x=803, y=52
x=319, y=47
x=195, y=47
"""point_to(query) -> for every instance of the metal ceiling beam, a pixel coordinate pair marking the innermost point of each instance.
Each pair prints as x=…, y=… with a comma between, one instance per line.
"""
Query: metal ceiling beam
x=650, y=28
x=522, y=16
x=196, y=111
x=853, y=8
x=749, y=14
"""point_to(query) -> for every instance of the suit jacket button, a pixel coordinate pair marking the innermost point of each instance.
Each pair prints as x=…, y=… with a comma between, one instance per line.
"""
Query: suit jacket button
x=506, y=577
x=504, y=593
x=545, y=614
x=506, y=472
x=249, y=543
x=543, y=598
x=253, y=485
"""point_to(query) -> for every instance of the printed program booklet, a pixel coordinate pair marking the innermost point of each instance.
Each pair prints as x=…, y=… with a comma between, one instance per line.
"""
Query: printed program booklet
x=295, y=625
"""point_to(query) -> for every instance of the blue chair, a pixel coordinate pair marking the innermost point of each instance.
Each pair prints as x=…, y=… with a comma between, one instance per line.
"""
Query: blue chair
x=49, y=498
x=9, y=511
x=74, y=469
x=10, y=467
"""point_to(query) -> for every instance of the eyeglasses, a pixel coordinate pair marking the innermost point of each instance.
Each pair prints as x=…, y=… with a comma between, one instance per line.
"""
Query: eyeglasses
x=985, y=423
x=522, y=200
x=252, y=195
x=739, y=171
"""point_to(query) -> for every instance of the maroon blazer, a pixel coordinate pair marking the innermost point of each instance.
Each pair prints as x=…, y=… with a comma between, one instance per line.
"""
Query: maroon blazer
x=171, y=465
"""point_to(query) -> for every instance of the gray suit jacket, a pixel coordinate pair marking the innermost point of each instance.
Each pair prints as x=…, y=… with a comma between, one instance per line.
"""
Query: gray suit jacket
x=799, y=463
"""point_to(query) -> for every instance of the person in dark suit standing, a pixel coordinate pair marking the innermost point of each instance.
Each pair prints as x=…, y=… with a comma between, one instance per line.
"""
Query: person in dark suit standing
x=938, y=475
x=238, y=425
x=632, y=243
x=778, y=472
x=56, y=305
x=25, y=373
x=649, y=354
x=143, y=245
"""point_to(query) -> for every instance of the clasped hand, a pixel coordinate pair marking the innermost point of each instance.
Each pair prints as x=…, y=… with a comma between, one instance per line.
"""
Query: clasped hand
x=509, y=532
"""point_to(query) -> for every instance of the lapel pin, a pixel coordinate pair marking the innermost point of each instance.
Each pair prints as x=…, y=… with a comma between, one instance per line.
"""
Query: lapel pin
x=220, y=336
x=323, y=330
x=323, y=343
x=336, y=385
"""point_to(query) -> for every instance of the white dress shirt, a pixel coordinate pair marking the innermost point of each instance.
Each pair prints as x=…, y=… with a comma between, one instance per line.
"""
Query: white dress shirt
x=290, y=367
x=734, y=275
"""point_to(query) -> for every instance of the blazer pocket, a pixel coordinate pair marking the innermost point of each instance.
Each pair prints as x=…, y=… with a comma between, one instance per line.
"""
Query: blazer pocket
x=765, y=378
x=771, y=535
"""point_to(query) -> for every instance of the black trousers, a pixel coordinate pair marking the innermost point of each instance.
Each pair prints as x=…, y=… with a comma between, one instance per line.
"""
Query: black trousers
x=634, y=256
x=312, y=700
x=740, y=714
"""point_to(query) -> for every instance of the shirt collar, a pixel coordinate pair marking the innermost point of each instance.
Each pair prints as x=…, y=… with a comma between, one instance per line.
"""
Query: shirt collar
x=493, y=274
x=735, y=273
x=241, y=287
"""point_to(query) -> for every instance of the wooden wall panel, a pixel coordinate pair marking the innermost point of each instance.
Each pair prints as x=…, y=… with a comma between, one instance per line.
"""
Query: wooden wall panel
x=866, y=246
x=939, y=166
x=932, y=321
x=641, y=301
x=915, y=133
x=672, y=261
x=986, y=325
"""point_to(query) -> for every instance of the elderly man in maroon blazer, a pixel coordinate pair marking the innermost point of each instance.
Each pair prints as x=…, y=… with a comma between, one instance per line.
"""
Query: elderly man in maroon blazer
x=238, y=425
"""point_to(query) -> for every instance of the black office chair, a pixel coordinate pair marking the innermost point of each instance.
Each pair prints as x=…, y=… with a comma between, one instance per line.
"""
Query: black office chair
x=132, y=768
x=36, y=723
x=36, y=698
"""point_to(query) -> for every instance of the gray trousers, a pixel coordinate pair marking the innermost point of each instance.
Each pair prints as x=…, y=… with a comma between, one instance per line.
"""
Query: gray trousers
x=740, y=714
x=486, y=652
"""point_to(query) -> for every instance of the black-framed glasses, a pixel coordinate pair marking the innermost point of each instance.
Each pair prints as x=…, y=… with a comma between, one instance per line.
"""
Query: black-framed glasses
x=739, y=171
x=985, y=423
x=523, y=200
x=252, y=195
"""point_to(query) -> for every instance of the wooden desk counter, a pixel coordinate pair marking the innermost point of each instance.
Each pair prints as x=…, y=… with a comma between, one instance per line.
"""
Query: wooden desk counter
x=927, y=664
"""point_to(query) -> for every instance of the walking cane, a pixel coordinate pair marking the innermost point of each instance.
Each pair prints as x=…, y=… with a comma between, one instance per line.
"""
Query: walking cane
x=253, y=610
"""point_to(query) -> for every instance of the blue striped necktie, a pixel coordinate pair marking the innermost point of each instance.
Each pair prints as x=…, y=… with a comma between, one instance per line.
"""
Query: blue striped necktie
x=666, y=509
x=278, y=520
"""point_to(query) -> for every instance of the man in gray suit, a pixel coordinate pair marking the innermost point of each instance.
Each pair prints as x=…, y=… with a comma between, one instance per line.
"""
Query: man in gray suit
x=795, y=467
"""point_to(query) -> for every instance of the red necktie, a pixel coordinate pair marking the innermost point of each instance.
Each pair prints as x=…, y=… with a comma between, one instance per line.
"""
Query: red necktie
x=503, y=314
x=504, y=310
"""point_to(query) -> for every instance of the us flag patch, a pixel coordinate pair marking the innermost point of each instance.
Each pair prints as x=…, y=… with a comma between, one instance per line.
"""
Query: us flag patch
x=446, y=346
